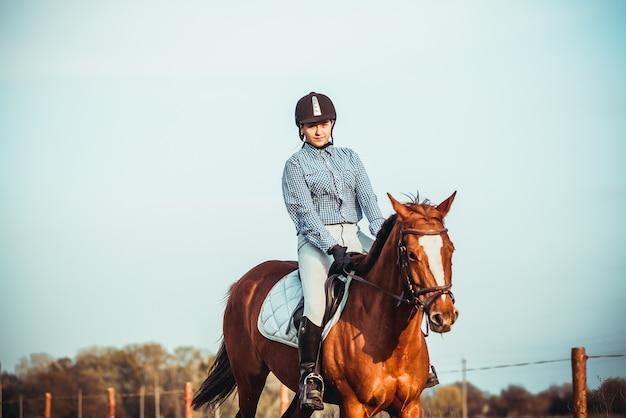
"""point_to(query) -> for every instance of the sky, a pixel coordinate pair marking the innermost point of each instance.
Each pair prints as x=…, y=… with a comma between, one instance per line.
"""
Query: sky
x=142, y=146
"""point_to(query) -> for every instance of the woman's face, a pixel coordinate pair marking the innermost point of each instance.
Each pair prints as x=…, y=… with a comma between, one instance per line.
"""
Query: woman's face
x=318, y=133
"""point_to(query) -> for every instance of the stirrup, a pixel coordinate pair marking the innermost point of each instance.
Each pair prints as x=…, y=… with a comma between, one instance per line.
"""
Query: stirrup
x=432, y=379
x=312, y=392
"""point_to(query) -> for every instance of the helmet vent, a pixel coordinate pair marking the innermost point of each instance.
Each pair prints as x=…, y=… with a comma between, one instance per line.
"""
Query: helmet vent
x=317, y=110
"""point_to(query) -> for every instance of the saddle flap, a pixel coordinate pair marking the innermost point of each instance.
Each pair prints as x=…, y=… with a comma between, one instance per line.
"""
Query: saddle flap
x=282, y=309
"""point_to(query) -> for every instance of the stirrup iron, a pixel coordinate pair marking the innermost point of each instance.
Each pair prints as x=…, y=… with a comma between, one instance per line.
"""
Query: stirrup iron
x=432, y=379
x=312, y=394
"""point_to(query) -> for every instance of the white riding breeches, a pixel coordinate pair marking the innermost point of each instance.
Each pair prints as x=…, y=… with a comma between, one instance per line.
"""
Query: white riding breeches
x=314, y=265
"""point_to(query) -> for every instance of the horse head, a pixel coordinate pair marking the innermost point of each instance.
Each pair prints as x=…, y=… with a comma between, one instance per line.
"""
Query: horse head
x=425, y=257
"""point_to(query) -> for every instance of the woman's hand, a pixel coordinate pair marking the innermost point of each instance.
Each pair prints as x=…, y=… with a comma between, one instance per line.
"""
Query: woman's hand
x=342, y=259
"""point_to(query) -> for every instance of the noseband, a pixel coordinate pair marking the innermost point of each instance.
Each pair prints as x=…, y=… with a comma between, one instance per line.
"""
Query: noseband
x=416, y=295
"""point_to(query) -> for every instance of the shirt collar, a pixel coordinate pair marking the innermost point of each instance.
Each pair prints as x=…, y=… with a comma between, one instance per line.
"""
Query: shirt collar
x=311, y=149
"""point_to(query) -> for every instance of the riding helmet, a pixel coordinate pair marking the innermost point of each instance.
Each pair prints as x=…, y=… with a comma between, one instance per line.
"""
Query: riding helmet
x=314, y=107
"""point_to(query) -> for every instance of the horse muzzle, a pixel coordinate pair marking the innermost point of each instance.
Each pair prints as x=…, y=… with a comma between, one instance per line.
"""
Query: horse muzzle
x=442, y=315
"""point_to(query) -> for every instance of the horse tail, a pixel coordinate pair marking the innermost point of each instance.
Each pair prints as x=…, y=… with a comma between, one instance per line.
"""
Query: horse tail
x=218, y=385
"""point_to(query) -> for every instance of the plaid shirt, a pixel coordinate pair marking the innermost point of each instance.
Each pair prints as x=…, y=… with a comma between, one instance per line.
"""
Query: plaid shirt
x=328, y=186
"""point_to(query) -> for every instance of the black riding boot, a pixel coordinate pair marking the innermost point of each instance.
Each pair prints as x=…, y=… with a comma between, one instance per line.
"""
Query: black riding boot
x=311, y=383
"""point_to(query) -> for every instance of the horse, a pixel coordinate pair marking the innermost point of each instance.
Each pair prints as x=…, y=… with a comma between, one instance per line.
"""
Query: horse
x=375, y=357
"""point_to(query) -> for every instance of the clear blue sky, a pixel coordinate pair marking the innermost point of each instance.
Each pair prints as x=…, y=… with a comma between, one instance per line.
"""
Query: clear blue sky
x=142, y=146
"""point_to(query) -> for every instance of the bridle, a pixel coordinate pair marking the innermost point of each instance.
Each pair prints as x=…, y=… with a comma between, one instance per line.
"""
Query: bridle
x=403, y=261
x=414, y=297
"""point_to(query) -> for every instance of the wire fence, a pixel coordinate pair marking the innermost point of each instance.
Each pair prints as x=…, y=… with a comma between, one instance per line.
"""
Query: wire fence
x=102, y=396
x=153, y=399
x=151, y=394
x=503, y=366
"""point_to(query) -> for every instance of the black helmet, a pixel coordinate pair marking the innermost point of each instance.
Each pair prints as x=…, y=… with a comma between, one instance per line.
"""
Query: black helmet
x=314, y=107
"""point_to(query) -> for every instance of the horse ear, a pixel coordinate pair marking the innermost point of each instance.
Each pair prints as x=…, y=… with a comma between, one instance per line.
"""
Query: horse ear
x=444, y=207
x=400, y=209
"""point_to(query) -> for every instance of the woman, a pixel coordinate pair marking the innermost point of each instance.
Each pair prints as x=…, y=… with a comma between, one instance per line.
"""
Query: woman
x=326, y=191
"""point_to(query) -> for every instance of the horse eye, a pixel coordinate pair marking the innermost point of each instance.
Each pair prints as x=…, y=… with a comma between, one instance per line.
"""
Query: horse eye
x=412, y=256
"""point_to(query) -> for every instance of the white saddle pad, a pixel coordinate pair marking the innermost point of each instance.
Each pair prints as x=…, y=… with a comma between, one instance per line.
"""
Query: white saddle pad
x=276, y=316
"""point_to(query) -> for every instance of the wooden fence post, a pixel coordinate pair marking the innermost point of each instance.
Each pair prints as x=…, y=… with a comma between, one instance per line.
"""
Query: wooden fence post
x=111, y=393
x=79, y=413
x=284, y=398
x=188, y=397
x=48, y=407
x=157, y=398
x=142, y=401
x=579, y=381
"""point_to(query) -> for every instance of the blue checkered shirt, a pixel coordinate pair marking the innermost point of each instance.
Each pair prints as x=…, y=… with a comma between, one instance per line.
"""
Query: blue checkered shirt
x=328, y=186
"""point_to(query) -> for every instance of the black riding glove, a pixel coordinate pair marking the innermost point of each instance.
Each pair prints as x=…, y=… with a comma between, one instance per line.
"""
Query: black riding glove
x=342, y=260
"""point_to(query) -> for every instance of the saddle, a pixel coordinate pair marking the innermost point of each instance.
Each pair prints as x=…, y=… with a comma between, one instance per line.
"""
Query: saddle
x=282, y=310
x=335, y=288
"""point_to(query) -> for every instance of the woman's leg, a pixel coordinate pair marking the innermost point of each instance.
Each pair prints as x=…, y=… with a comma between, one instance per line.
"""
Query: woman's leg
x=313, y=265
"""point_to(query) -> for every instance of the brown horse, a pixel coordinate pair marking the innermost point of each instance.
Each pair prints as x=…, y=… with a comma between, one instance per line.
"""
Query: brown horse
x=375, y=358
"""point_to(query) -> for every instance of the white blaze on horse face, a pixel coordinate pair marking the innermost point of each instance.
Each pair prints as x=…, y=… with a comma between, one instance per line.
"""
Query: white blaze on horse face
x=432, y=245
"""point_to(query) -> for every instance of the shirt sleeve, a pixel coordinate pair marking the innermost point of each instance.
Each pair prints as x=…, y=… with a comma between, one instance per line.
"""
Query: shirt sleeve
x=299, y=203
x=366, y=197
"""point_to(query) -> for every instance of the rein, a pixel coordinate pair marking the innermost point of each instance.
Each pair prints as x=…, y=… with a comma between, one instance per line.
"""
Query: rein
x=414, y=299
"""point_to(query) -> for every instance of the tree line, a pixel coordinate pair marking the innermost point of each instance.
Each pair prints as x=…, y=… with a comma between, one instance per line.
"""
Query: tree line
x=515, y=401
x=146, y=377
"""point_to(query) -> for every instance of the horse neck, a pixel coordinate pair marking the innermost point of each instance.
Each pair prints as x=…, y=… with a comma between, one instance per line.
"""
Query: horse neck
x=371, y=307
x=401, y=333
x=385, y=271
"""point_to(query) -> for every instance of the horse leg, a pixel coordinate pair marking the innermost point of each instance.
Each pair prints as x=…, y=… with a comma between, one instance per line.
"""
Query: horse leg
x=250, y=374
x=249, y=389
x=411, y=410
x=294, y=411
x=352, y=408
